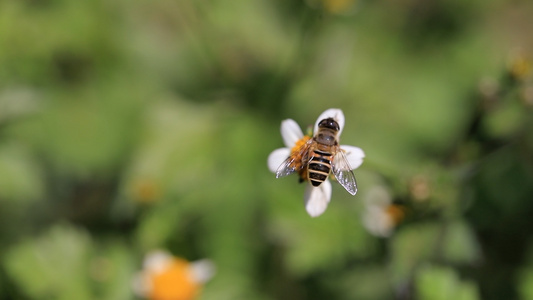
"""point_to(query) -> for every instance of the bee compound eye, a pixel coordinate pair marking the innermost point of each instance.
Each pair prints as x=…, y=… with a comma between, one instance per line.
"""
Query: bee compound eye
x=329, y=123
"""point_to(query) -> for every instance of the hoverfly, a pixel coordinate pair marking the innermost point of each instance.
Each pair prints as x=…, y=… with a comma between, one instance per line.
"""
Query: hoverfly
x=320, y=156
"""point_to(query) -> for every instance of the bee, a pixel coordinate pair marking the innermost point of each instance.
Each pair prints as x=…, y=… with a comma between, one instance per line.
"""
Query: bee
x=320, y=156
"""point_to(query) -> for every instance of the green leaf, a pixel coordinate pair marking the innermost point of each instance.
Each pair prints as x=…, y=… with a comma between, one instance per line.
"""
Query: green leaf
x=316, y=244
x=525, y=284
x=113, y=270
x=20, y=175
x=460, y=244
x=52, y=266
x=411, y=246
x=441, y=283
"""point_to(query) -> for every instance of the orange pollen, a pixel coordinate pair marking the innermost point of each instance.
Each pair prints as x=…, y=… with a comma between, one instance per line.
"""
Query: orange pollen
x=174, y=282
x=300, y=143
x=302, y=171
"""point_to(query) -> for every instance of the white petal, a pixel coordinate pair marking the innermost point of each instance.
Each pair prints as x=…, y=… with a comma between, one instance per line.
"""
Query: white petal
x=156, y=261
x=202, y=270
x=334, y=113
x=317, y=198
x=378, y=196
x=291, y=132
x=141, y=284
x=276, y=158
x=377, y=221
x=354, y=155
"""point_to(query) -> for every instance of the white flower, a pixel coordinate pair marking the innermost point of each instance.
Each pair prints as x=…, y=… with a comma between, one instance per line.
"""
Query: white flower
x=380, y=215
x=316, y=198
x=171, y=278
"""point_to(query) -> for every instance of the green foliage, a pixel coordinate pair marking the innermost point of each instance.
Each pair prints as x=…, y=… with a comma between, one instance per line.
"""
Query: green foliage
x=526, y=285
x=20, y=176
x=435, y=283
x=52, y=266
x=64, y=264
x=459, y=246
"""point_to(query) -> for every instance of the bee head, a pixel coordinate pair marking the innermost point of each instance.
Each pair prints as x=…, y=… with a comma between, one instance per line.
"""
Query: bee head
x=329, y=123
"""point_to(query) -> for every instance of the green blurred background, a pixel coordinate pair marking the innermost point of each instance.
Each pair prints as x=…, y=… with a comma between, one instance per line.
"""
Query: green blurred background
x=128, y=126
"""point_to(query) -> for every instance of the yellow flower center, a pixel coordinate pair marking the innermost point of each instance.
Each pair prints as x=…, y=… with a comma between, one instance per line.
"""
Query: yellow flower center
x=396, y=213
x=174, y=282
x=337, y=6
x=298, y=161
x=300, y=143
x=146, y=190
x=521, y=67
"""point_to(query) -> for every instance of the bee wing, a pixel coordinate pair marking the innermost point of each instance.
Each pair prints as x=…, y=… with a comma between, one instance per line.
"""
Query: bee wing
x=295, y=161
x=343, y=172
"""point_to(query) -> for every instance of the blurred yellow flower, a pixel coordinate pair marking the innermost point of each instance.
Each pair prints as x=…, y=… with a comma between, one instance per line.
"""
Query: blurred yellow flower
x=165, y=277
x=519, y=64
x=334, y=6
x=146, y=190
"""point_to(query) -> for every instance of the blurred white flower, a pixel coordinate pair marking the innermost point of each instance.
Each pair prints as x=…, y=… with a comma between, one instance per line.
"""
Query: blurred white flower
x=380, y=215
x=165, y=277
x=316, y=198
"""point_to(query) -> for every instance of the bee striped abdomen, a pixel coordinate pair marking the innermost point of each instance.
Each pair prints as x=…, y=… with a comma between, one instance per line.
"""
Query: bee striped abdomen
x=319, y=167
